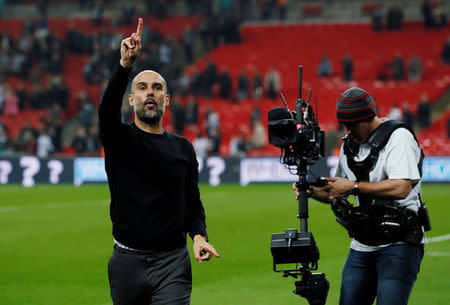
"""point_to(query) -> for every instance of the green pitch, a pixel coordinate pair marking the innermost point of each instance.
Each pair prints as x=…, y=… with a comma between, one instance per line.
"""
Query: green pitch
x=55, y=242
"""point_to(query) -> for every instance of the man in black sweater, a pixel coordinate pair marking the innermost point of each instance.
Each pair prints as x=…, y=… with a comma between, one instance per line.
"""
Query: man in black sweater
x=153, y=181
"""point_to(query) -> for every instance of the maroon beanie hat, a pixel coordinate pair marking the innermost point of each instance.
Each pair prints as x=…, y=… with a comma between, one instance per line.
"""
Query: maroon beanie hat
x=354, y=105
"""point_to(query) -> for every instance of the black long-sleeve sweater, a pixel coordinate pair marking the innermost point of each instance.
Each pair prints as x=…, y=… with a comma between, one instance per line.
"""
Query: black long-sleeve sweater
x=153, y=179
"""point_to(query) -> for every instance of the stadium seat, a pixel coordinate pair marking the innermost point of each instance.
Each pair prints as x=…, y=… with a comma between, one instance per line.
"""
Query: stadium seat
x=312, y=9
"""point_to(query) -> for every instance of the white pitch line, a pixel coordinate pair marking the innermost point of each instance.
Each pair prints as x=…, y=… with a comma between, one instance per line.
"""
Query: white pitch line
x=438, y=238
x=437, y=253
x=9, y=208
x=13, y=208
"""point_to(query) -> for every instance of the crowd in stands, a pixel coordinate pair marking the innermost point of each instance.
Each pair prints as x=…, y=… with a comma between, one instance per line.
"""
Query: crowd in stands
x=35, y=62
x=433, y=14
x=396, y=69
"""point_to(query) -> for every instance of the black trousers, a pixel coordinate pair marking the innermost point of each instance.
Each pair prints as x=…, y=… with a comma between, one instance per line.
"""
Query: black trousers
x=156, y=277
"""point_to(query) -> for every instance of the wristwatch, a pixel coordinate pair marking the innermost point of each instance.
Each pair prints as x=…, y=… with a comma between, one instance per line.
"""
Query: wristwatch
x=355, y=189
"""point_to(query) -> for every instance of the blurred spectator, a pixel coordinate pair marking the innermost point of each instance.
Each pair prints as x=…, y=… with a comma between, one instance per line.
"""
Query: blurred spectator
x=37, y=97
x=55, y=63
x=427, y=13
x=44, y=144
x=42, y=6
x=382, y=67
x=208, y=78
x=165, y=52
x=331, y=140
x=75, y=40
x=196, y=82
x=87, y=109
x=347, y=67
x=191, y=111
x=19, y=64
x=157, y=8
x=257, y=84
x=128, y=13
x=415, y=68
x=408, y=117
x=238, y=146
x=243, y=85
x=394, y=18
x=377, y=20
x=188, y=40
x=89, y=71
x=202, y=145
x=439, y=16
x=445, y=55
x=398, y=67
x=395, y=113
x=28, y=27
x=178, y=114
x=3, y=126
x=57, y=92
x=212, y=121
x=184, y=84
x=268, y=8
x=325, y=68
x=216, y=139
x=55, y=125
x=5, y=42
x=27, y=128
x=25, y=46
x=225, y=85
x=93, y=144
x=424, y=112
x=255, y=116
x=259, y=137
x=22, y=95
x=79, y=143
x=27, y=140
x=272, y=82
x=11, y=102
x=97, y=12
x=282, y=4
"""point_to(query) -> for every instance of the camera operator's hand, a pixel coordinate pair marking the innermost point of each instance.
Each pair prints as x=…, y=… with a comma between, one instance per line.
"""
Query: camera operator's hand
x=318, y=193
x=131, y=47
x=338, y=187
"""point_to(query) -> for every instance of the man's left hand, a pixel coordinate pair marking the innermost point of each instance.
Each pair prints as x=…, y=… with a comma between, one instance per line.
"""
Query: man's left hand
x=202, y=249
x=338, y=187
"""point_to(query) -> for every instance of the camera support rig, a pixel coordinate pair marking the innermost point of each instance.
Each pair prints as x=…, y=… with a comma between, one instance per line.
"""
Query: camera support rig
x=301, y=141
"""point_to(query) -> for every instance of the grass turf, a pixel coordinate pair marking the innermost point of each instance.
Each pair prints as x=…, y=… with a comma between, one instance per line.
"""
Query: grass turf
x=55, y=243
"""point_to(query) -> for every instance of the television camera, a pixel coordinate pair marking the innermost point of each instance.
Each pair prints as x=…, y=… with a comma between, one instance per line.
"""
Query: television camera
x=301, y=142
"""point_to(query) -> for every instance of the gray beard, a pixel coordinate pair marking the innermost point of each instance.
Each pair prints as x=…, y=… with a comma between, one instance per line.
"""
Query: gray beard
x=152, y=117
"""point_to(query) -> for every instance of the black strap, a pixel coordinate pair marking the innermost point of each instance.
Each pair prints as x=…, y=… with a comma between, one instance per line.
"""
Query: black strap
x=377, y=141
x=381, y=135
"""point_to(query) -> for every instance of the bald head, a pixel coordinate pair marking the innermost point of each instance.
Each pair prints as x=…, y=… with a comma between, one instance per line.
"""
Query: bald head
x=150, y=78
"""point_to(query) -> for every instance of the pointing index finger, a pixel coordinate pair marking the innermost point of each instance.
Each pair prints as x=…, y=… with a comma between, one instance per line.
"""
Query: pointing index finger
x=139, y=27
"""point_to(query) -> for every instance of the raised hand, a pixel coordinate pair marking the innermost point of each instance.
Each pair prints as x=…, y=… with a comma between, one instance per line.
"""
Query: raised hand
x=131, y=47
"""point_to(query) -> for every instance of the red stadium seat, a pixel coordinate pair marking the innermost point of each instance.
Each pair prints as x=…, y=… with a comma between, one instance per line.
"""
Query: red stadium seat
x=368, y=8
x=312, y=9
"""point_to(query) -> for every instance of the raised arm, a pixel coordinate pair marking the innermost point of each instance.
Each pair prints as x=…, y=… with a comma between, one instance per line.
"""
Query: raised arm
x=111, y=103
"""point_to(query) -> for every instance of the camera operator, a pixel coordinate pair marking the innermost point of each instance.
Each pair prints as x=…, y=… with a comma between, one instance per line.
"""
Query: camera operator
x=386, y=269
x=153, y=181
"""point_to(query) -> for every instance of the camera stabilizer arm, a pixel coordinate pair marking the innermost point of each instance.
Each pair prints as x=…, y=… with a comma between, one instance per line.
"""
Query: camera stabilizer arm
x=301, y=141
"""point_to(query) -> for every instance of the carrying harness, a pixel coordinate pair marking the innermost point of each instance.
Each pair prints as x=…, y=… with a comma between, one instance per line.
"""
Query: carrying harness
x=379, y=222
